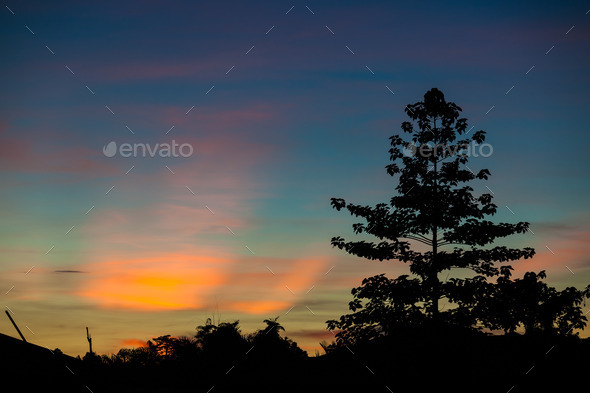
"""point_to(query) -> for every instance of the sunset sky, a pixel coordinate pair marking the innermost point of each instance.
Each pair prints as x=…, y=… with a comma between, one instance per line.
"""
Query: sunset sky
x=292, y=104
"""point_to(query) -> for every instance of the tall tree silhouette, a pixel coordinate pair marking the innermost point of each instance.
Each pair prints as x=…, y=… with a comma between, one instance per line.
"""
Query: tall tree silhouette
x=434, y=205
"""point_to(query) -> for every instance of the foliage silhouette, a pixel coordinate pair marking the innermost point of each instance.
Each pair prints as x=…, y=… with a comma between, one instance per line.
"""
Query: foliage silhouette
x=222, y=341
x=436, y=207
x=392, y=306
x=213, y=344
x=528, y=302
x=162, y=345
x=270, y=346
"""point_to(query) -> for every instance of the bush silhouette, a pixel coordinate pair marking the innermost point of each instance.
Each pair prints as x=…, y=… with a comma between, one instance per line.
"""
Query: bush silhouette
x=270, y=347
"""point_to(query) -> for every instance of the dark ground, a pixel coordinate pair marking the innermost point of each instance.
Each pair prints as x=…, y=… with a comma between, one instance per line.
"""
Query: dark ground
x=473, y=364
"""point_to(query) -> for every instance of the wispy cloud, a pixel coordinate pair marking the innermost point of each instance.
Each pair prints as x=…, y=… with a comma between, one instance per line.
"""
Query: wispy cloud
x=40, y=153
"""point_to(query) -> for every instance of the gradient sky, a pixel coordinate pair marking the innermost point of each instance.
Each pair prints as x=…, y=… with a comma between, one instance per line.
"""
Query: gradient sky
x=292, y=106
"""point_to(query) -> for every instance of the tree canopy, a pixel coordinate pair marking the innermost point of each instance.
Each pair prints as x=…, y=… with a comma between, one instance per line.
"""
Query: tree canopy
x=436, y=222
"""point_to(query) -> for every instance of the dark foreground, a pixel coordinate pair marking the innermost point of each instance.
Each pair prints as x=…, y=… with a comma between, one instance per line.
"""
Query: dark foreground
x=475, y=364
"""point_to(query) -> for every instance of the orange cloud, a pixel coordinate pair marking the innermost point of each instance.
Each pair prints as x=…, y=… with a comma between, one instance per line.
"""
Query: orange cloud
x=186, y=281
x=304, y=274
x=133, y=342
x=259, y=306
x=127, y=268
x=263, y=292
x=167, y=282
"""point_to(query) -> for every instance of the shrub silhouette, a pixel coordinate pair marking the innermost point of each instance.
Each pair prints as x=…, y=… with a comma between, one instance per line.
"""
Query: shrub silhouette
x=530, y=303
x=270, y=347
x=222, y=341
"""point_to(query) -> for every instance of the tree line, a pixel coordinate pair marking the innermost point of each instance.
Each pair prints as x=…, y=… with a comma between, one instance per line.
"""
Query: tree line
x=213, y=344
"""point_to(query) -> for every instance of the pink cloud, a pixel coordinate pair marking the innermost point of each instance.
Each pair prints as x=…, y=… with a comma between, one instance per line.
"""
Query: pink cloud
x=18, y=154
x=162, y=225
x=154, y=70
x=559, y=254
x=209, y=120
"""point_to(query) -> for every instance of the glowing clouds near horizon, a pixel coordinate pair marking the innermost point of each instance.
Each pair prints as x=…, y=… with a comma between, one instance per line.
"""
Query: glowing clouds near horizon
x=184, y=282
x=133, y=343
x=259, y=306
x=171, y=282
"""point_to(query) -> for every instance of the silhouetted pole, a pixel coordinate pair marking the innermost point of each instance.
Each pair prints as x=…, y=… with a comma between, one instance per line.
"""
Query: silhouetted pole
x=89, y=339
x=16, y=327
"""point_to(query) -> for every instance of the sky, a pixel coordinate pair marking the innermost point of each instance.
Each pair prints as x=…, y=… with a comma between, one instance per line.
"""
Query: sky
x=283, y=106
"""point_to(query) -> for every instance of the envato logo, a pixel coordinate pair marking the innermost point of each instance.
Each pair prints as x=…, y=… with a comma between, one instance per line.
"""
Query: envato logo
x=163, y=150
x=473, y=149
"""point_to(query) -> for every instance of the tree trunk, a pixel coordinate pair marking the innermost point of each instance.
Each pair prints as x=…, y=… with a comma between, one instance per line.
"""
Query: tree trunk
x=435, y=289
x=434, y=276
